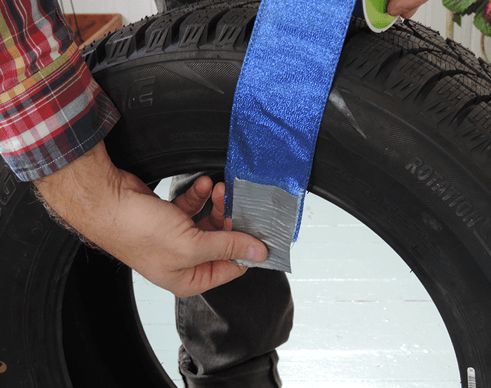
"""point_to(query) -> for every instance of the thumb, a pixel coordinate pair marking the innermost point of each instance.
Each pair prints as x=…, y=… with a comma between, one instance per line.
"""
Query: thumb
x=206, y=276
x=211, y=261
x=223, y=246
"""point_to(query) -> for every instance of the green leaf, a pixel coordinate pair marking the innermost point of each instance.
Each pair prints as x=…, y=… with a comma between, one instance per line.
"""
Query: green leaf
x=458, y=6
x=475, y=7
x=482, y=24
x=457, y=19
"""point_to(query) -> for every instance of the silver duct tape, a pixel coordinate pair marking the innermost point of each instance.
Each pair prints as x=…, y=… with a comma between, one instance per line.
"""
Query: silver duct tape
x=269, y=214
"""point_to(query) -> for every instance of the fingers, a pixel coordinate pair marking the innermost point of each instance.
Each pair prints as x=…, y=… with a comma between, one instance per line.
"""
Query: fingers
x=404, y=8
x=206, y=276
x=193, y=200
x=218, y=211
x=209, y=254
x=227, y=224
x=215, y=221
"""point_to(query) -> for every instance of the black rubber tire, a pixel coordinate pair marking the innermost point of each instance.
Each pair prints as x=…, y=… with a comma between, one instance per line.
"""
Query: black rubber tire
x=405, y=147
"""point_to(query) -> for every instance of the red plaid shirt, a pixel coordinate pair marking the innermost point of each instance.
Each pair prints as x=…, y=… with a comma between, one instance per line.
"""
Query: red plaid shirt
x=51, y=109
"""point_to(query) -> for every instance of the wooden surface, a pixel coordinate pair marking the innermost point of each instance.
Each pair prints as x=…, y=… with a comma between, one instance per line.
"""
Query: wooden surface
x=89, y=27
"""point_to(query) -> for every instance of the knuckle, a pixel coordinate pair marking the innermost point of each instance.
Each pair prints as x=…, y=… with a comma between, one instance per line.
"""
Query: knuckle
x=230, y=247
x=191, y=201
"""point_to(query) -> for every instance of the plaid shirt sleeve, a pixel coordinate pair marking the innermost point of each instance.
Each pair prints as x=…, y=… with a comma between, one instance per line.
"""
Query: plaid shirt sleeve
x=51, y=109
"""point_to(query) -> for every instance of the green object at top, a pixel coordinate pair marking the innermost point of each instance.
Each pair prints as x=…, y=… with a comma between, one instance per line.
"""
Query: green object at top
x=376, y=15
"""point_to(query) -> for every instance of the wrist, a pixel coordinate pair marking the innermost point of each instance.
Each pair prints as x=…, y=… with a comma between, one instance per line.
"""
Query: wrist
x=82, y=188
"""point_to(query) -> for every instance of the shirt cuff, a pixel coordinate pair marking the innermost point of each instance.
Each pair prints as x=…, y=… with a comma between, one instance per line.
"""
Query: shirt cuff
x=53, y=117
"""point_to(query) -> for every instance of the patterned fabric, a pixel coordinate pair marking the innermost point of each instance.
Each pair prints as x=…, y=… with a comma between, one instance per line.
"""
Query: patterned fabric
x=51, y=109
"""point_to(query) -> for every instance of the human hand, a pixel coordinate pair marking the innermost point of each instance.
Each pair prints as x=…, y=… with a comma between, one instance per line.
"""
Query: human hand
x=404, y=8
x=116, y=211
x=195, y=198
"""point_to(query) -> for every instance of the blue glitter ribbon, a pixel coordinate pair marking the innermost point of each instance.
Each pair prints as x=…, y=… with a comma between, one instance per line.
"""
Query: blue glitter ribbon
x=281, y=95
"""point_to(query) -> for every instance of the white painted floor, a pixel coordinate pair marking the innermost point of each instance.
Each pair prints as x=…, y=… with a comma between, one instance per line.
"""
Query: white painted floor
x=362, y=318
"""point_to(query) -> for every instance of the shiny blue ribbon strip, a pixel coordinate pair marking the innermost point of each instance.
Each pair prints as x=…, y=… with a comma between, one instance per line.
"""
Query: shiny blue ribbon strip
x=280, y=99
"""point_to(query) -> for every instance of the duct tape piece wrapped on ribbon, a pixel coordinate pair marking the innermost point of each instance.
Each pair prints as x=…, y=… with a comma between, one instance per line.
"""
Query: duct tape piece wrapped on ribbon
x=279, y=103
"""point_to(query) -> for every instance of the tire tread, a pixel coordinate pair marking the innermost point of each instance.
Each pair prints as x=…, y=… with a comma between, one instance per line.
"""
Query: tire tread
x=411, y=61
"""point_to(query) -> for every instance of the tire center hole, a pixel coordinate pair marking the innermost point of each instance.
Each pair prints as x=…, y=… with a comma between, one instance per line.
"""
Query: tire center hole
x=362, y=318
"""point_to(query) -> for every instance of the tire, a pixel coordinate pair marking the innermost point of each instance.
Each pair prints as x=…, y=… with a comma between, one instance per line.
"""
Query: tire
x=405, y=146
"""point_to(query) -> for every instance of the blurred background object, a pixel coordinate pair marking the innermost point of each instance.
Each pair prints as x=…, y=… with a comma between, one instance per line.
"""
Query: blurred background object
x=480, y=10
x=163, y=5
x=90, y=27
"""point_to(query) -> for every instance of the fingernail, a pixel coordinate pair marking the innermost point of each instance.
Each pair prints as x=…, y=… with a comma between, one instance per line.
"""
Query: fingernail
x=255, y=254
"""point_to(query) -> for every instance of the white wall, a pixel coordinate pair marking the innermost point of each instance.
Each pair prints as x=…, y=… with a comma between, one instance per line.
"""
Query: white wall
x=432, y=14
x=132, y=10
